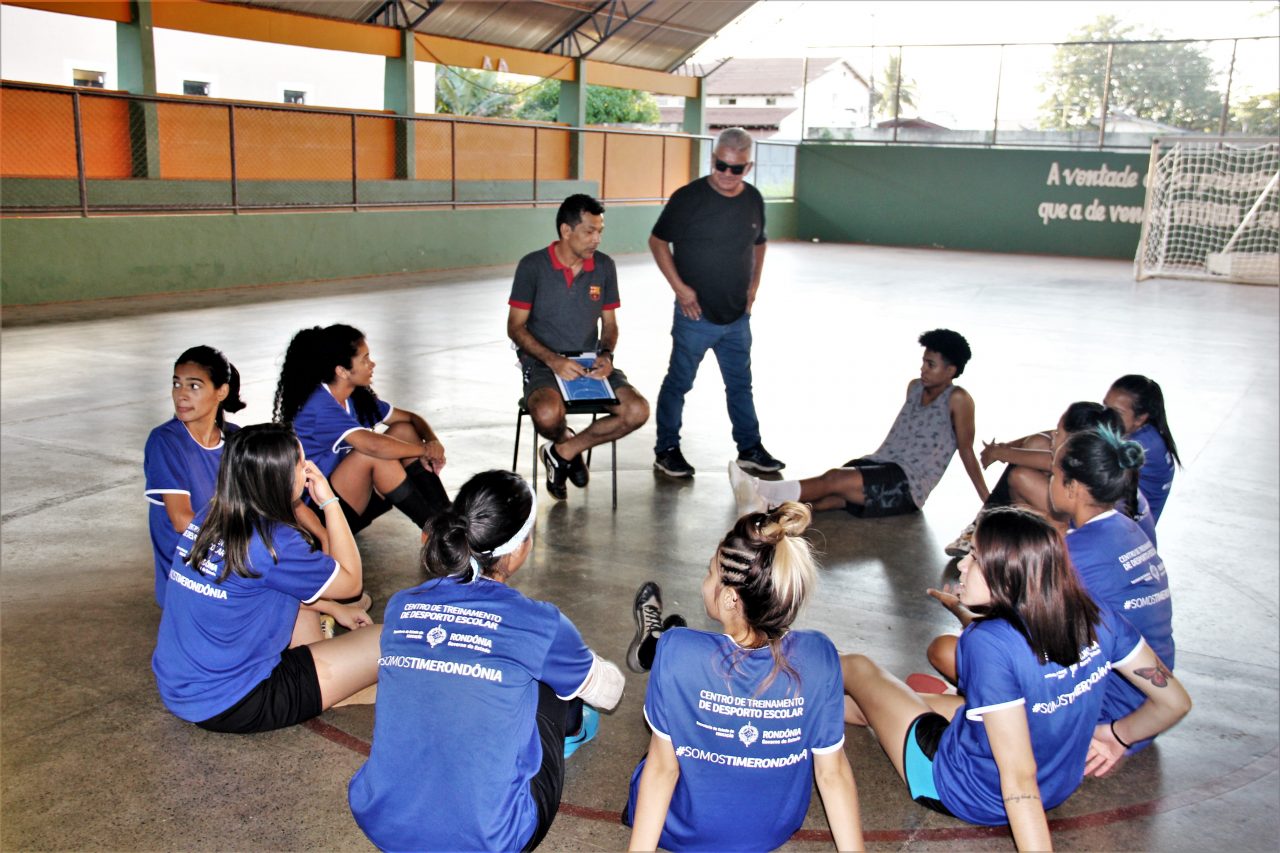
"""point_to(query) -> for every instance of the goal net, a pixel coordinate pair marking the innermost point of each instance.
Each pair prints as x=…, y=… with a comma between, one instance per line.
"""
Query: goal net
x=1212, y=212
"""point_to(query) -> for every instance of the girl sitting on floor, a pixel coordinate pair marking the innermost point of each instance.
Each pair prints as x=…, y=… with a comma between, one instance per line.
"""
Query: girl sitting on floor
x=716, y=776
x=182, y=454
x=1140, y=403
x=481, y=690
x=239, y=649
x=1033, y=669
x=325, y=393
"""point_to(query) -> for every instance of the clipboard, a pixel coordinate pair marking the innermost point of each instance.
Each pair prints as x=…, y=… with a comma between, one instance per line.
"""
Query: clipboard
x=586, y=389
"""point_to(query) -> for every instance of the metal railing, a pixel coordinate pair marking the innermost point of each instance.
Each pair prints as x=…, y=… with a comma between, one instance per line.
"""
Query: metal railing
x=70, y=150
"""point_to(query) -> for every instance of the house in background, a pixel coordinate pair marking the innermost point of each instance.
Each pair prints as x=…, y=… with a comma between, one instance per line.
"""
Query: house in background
x=767, y=97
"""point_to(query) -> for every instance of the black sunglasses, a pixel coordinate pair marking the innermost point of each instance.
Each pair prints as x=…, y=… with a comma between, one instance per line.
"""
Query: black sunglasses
x=722, y=166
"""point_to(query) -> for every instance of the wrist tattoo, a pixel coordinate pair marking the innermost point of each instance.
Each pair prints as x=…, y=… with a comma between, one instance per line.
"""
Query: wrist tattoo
x=1013, y=798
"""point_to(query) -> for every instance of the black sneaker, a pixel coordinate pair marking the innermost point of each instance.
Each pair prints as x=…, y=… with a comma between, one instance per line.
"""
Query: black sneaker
x=757, y=459
x=557, y=471
x=578, y=473
x=648, y=616
x=672, y=463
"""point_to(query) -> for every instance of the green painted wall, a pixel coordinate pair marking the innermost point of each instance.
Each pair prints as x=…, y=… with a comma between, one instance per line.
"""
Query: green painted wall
x=1043, y=201
x=59, y=259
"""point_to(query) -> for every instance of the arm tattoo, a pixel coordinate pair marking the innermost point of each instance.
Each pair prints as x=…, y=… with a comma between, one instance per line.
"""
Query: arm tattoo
x=1158, y=675
x=1013, y=798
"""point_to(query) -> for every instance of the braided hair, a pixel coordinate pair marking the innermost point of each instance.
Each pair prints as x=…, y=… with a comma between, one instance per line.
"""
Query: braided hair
x=769, y=564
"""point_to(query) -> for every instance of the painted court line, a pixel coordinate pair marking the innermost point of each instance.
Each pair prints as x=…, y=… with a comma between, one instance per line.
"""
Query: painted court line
x=1260, y=767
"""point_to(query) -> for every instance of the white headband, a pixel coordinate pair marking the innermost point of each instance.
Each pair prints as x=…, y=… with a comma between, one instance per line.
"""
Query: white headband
x=515, y=541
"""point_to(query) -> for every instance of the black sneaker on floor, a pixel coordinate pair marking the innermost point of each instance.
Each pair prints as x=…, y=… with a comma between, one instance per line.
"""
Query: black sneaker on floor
x=672, y=463
x=578, y=473
x=557, y=471
x=757, y=459
x=648, y=616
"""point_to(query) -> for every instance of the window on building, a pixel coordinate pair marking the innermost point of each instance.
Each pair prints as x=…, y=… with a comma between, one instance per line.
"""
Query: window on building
x=195, y=87
x=89, y=79
x=770, y=102
x=728, y=101
x=294, y=96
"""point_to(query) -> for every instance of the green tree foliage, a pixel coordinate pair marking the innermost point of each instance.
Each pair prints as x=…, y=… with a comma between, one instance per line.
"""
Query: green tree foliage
x=1257, y=115
x=472, y=92
x=605, y=104
x=1171, y=83
x=882, y=97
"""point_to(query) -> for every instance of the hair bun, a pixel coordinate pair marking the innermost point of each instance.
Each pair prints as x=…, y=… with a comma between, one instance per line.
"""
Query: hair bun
x=1131, y=455
x=789, y=519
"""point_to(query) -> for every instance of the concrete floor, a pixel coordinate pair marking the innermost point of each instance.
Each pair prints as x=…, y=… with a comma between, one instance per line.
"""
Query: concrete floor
x=91, y=760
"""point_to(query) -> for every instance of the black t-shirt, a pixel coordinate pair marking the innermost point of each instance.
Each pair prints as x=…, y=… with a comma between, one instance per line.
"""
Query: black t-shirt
x=714, y=240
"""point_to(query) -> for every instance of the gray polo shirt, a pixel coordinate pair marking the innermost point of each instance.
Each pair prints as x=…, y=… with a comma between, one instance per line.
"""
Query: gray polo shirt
x=564, y=311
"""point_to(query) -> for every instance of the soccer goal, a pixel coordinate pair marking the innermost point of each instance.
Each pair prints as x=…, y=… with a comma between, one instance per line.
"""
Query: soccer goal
x=1212, y=211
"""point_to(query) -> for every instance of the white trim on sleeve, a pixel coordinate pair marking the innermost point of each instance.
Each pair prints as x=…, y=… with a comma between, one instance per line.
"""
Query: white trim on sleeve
x=976, y=714
x=823, y=750
x=337, y=567
x=657, y=731
x=149, y=492
x=1133, y=653
x=339, y=439
x=388, y=414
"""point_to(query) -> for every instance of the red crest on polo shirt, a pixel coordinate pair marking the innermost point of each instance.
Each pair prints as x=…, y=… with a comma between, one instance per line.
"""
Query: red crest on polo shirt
x=594, y=293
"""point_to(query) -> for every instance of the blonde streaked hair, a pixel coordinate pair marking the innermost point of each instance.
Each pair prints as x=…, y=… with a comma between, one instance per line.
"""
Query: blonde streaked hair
x=768, y=562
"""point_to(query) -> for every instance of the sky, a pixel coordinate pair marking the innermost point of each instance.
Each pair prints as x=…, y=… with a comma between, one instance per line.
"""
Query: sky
x=790, y=28
x=957, y=86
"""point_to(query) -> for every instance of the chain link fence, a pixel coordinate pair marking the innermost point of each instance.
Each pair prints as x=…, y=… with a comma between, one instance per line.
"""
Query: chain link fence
x=70, y=150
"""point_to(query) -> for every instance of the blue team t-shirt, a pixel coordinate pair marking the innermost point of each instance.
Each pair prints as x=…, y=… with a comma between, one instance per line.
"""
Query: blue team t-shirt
x=997, y=669
x=322, y=425
x=455, y=737
x=176, y=464
x=1156, y=475
x=745, y=755
x=1121, y=569
x=220, y=640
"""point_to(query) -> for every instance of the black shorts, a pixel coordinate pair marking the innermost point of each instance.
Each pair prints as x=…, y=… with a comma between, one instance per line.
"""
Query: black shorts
x=885, y=488
x=537, y=375
x=289, y=695
x=556, y=719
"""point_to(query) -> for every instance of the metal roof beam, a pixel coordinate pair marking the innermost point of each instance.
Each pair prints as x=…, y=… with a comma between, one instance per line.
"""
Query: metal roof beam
x=395, y=13
x=587, y=28
x=675, y=28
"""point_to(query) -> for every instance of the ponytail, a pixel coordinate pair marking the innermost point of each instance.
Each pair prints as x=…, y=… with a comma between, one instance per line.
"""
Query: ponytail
x=492, y=515
x=221, y=372
x=1148, y=399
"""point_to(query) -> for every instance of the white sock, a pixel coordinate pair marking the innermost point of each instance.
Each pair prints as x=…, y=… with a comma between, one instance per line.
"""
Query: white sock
x=777, y=492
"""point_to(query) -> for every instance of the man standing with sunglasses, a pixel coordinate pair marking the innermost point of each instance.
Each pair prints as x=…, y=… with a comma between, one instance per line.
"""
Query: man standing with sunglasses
x=709, y=243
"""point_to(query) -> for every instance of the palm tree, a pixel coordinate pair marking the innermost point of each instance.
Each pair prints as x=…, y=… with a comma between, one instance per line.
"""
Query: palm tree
x=882, y=101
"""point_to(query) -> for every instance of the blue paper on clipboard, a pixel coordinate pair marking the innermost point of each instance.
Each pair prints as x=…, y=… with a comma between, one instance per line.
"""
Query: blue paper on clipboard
x=586, y=388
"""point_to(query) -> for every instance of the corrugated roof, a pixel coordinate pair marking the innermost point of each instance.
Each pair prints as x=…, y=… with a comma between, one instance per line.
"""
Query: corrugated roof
x=654, y=34
x=752, y=118
x=752, y=76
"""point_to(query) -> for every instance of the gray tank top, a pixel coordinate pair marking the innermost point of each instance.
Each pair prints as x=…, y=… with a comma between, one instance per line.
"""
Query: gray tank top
x=921, y=441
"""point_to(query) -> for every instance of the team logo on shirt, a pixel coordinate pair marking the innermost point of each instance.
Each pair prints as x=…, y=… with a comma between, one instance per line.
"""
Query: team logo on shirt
x=594, y=292
x=748, y=734
x=436, y=636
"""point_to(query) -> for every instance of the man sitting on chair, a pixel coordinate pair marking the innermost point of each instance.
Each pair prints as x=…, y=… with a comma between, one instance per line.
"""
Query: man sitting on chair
x=562, y=302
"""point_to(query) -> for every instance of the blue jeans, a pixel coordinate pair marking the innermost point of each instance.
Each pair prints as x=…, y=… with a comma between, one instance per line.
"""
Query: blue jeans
x=690, y=340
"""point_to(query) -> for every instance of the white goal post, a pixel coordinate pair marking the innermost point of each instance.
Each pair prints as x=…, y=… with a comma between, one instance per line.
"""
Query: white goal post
x=1212, y=211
